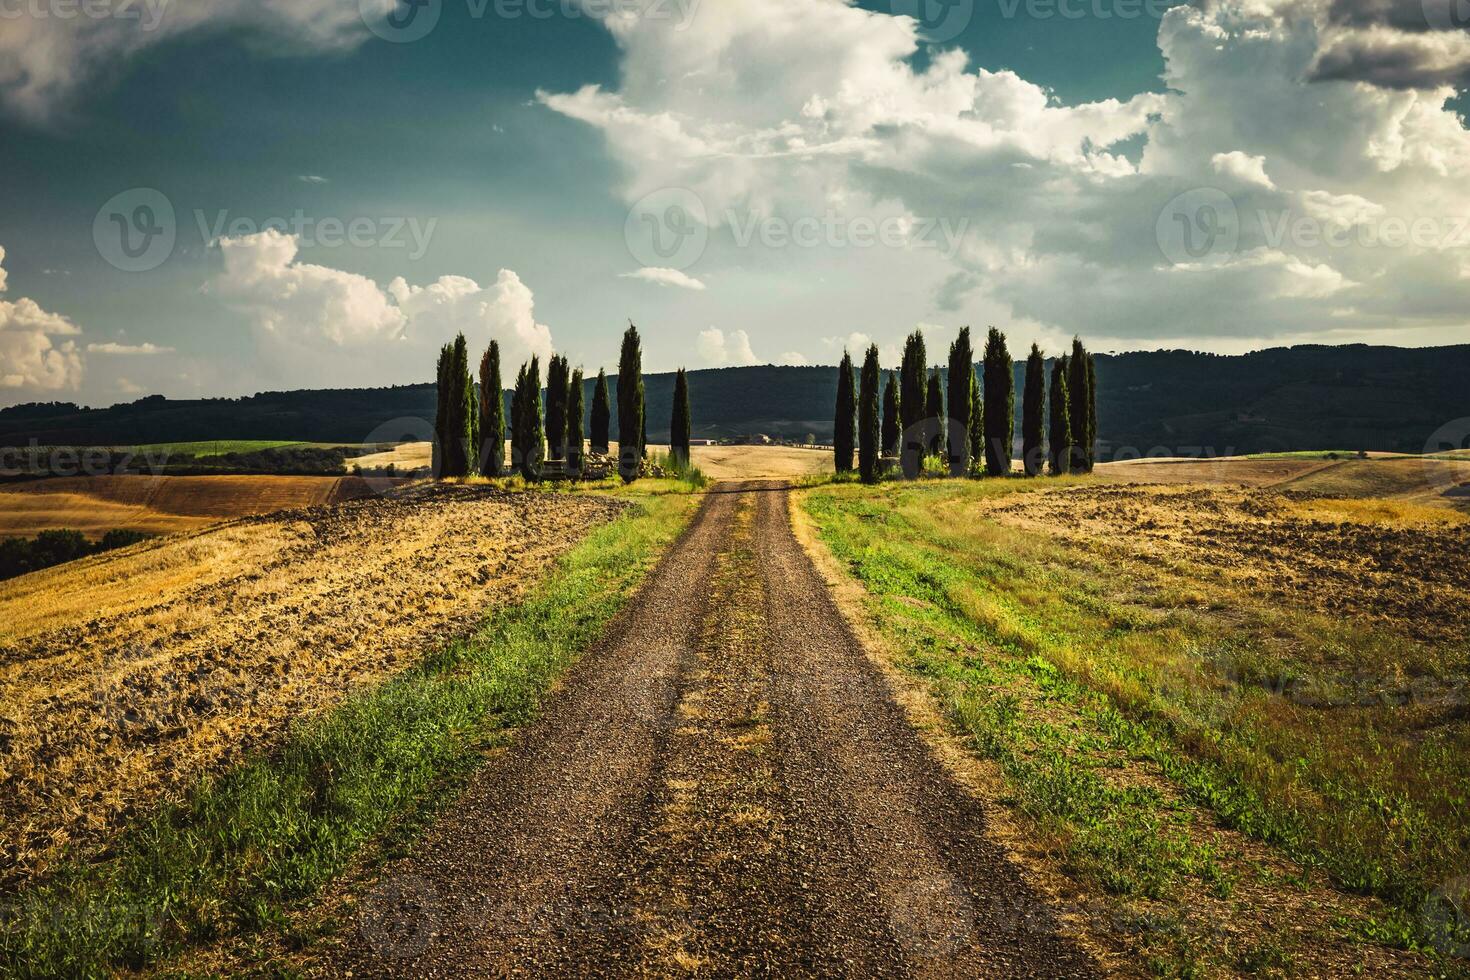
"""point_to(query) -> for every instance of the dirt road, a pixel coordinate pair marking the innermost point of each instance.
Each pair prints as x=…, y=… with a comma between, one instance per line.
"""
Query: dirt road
x=725, y=788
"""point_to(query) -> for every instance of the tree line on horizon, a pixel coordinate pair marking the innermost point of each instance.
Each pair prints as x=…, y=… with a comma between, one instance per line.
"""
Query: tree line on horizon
x=957, y=418
x=545, y=425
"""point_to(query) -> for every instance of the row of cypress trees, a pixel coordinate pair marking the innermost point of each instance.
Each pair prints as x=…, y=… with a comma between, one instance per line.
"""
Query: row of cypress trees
x=470, y=427
x=975, y=432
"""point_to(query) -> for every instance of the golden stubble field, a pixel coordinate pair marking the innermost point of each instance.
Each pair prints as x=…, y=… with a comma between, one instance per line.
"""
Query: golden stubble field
x=125, y=676
x=716, y=462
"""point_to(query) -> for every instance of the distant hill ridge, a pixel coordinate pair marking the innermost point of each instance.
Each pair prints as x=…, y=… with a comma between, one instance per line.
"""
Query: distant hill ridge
x=1180, y=402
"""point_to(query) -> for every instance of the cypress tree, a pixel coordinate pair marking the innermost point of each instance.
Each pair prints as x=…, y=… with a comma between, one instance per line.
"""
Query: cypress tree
x=843, y=421
x=1091, y=413
x=575, y=411
x=533, y=451
x=1077, y=401
x=961, y=369
x=1000, y=404
x=632, y=426
x=441, y=410
x=679, y=425
x=556, y=406
x=518, y=420
x=458, y=411
x=1059, y=433
x=977, y=425
x=911, y=386
x=492, y=413
x=934, y=409
x=892, y=421
x=601, y=413
x=868, y=434
x=1031, y=413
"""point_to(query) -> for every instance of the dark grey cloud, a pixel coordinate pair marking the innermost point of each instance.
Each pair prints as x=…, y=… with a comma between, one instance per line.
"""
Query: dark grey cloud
x=1397, y=44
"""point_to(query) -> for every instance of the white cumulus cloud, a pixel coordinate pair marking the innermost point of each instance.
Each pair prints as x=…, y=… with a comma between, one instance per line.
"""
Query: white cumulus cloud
x=798, y=108
x=720, y=349
x=307, y=307
x=128, y=350
x=665, y=277
x=32, y=358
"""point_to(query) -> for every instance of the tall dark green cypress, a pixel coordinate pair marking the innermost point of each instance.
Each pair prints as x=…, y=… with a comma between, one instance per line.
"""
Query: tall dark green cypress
x=576, y=409
x=441, y=410
x=977, y=426
x=1033, y=409
x=1077, y=402
x=844, y=417
x=518, y=420
x=1091, y=413
x=1059, y=431
x=1000, y=404
x=679, y=425
x=868, y=424
x=557, y=371
x=601, y=414
x=492, y=413
x=961, y=369
x=458, y=412
x=934, y=414
x=892, y=419
x=631, y=422
x=912, y=382
x=533, y=444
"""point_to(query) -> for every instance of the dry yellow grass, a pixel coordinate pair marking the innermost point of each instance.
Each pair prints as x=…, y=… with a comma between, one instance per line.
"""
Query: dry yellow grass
x=159, y=505
x=716, y=462
x=125, y=676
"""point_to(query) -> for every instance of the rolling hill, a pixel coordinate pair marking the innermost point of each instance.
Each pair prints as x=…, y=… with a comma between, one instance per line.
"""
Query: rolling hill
x=1179, y=402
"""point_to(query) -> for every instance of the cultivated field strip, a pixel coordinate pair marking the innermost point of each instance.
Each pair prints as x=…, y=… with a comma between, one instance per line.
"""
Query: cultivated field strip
x=125, y=677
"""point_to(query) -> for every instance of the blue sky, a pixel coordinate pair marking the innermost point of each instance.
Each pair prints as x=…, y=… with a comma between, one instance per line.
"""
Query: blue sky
x=854, y=174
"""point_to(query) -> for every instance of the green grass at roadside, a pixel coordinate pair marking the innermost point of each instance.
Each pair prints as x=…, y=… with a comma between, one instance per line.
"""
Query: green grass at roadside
x=1118, y=707
x=250, y=844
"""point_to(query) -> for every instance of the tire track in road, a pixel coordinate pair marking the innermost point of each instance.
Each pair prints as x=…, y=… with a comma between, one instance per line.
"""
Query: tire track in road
x=725, y=788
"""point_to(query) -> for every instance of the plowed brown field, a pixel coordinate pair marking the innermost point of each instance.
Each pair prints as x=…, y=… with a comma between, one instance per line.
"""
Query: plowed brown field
x=160, y=504
x=125, y=676
x=1403, y=565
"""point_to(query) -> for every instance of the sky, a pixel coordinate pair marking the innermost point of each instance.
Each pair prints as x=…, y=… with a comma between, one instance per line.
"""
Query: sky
x=218, y=197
